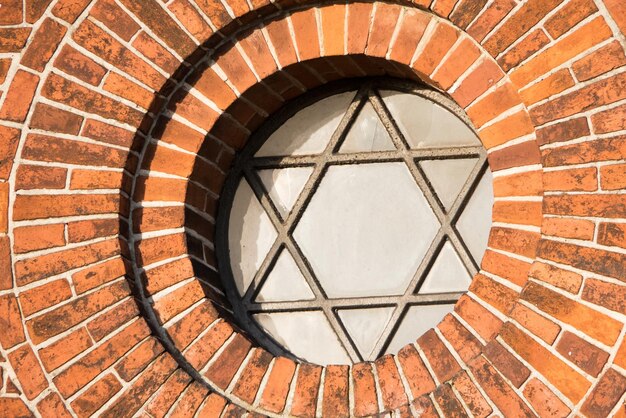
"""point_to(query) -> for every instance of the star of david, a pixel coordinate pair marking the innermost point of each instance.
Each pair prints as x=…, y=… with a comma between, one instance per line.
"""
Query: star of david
x=336, y=308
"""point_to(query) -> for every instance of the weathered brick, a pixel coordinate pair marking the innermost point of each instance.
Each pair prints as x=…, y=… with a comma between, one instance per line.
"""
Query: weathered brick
x=464, y=342
x=307, y=388
x=168, y=394
x=19, y=97
x=543, y=400
x=489, y=18
x=365, y=401
x=43, y=44
x=599, y=62
x=52, y=406
x=45, y=296
x=335, y=392
x=10, y=322
x=566, y=280
x=223, y=370
x=28, y=370
x=605, y=394
x=607, y=295
x=63, y=350
x=275, y=392
x=506, y=363
x=441, y=360
x=96, y=395
x=472, y=397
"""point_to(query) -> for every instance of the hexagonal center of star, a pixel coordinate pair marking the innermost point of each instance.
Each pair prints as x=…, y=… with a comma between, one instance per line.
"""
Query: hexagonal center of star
x=366, y=230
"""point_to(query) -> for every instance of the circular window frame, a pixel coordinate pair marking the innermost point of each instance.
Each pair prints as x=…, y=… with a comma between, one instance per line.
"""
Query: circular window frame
x=241, y=315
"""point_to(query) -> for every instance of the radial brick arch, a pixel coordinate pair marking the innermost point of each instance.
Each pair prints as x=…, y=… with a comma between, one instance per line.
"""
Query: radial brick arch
x=74, y=340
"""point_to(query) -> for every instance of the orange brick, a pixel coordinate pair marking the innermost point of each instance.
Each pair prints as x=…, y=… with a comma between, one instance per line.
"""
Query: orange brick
x=442, y=39
x=333, y=21
x=60, y=352
x=137, y=360
x=49, y=118
x=223, y=370
x=518, y=212
x=591, y=322
x=80, y=66
x=95, y=179
x=97, y=228
x=168, y=393
x=43, y=44
x=53, y=406
x=29, y=373
x=358, y=27
x=492, y=105
x=577, y=179
x=173, y=303
x=105, y=323
x=13, y=39
x=441, y=360
x=365, y=401
x=121, y=86
x=155, y=52
x=45, y=296
x=506, y=363
x=480, y=319
x=96, y=395
x=250, y=379
x=582, y=353
x=524, y=184
x=535, y=323
x=543, y=400
x=612, y=234
x=605, y=395
x=612, y=177
x=512, y=269
x=160, y=248
x=409, y=35
x=607, y=295
x=475, y=401
x=568, y=228
x=19, y=97
x=304, y=401
x=610, y=120
x=391, y=388
x=512, y=127
x=596, y=63
x=489, y=18
x=549, y=86
x=385, y=19
x=464, y=55
x=555, y=276
x=31, y=238
x=462, y=340
x=191, y=19
x=12, y=13
x=494, y=293
x=415, y=371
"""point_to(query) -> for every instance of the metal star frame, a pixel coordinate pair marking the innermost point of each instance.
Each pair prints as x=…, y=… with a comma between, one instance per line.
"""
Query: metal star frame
x=246, y=166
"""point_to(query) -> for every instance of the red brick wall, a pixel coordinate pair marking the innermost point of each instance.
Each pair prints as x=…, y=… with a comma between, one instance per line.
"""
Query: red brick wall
x=120, y=118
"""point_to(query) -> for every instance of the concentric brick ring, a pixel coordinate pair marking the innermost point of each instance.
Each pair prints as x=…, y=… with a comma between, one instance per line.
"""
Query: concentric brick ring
x=541, y=330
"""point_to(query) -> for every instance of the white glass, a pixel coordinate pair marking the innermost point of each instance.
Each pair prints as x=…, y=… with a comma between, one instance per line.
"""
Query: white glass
x=366, y=326
x=425, y=124
x=417, y=321
x=448, y=177
x=367, y=133
x=309, y=130
x=307, y=334
x=285, y=282
x=475, y=221
x=366, y=230
x=448, y=274
x=284, y=185
x=250, y=236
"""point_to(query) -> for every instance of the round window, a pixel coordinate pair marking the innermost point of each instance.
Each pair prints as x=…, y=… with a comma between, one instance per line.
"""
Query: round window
x=353, y=221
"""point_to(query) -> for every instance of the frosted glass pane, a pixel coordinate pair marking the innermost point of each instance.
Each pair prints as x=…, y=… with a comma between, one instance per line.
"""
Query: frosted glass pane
x=475, y=221
x=307, y=335
x=309, y=130
x=284, y=185
x=417, y=321
x=447, y=273
x=447, y=177
x=367, y=133
x=285, y=282
x=250, y=236
x=366, y=229
x=366, y=326
x=425, y=124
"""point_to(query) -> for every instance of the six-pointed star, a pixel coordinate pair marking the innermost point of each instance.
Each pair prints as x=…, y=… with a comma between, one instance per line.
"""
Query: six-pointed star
x=347, y=253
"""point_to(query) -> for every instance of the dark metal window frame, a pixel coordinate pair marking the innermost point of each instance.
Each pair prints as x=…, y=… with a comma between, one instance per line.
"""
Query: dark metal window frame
x=246, y=164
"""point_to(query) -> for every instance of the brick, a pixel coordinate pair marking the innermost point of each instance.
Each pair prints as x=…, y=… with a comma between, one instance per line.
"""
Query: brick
x=43, y=266
x=237, y=71
x=162, y=25
x=383, y=25
x=465, y=53
x=547, y=87
x=69, y=10
x=605, y=394
x=66, y=316
x=79, y=374
x=556, y=276
x=496, y=388
x=256, y=48
x=466, y=11
x=358, y=27
x=175, y=302
x=106, y=323
x=495, y=294
x=415, y=371
x=137, y=360
x=441, y=360
x=512, y=127
x=506, y=363
x=122, y=87
x=585, y=319
x=612, y=234
x=60, y=352
x=585, y=355
x=592, y=151
x=515, y=241
x=103, y=132
x=424, y=406
x=163, y=276
x=442, y=39
x=365, y=401
x=69, y=151
x=306, y=390
x=190, y=401
x=462, y=340
x=577, y=179
x=191, y=19
x=35, y=9
x=67, y=92
x=184, y=331
x=277, y=387
x=9, y=138
x=480, y=319
x=114, y=18
x=43, y=44
x=335, y=392
x=592, y=96
x=528, y=183
x=610, y=120
x=6, y=280
x=563, y=131
x=447, y=401
x=14, y=407
x=612, y=177
x=543, y=400
x=607, y=295
x=489, y=18
x=97, y=228
x=19, y=97
x=156, y=249
x=52, y=406
x=38, y=237
x=569, y=16
x=280, y=37
x=599, y=62
x=42, y=297
x=305, y=30
x=492, y=105
x=213, y=407
x=535, y=323
x=49, y=118
x=10, y=322
x=13, y=39
x=95, y=179
x=250, y=379
x=168, y=394
x=74, y=63
x=568, y=228
x=223, y=370
x=391, y=388
x=96, y=395
x=411, y=31
x=142, y=388
x=5, y=66
x=28, y=371
x=605, y=205
x=519, y=53
x=509, y=268
x=40, y=177
x=518, y=212
x=471, y=396
x=152, y=50
x=12, y=12
x=518, y=24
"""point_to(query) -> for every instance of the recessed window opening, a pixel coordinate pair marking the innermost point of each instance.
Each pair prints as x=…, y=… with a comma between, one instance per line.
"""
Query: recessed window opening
x=354, y=220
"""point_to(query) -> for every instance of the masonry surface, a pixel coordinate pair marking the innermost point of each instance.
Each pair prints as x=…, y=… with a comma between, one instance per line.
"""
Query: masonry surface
x=119, y=120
